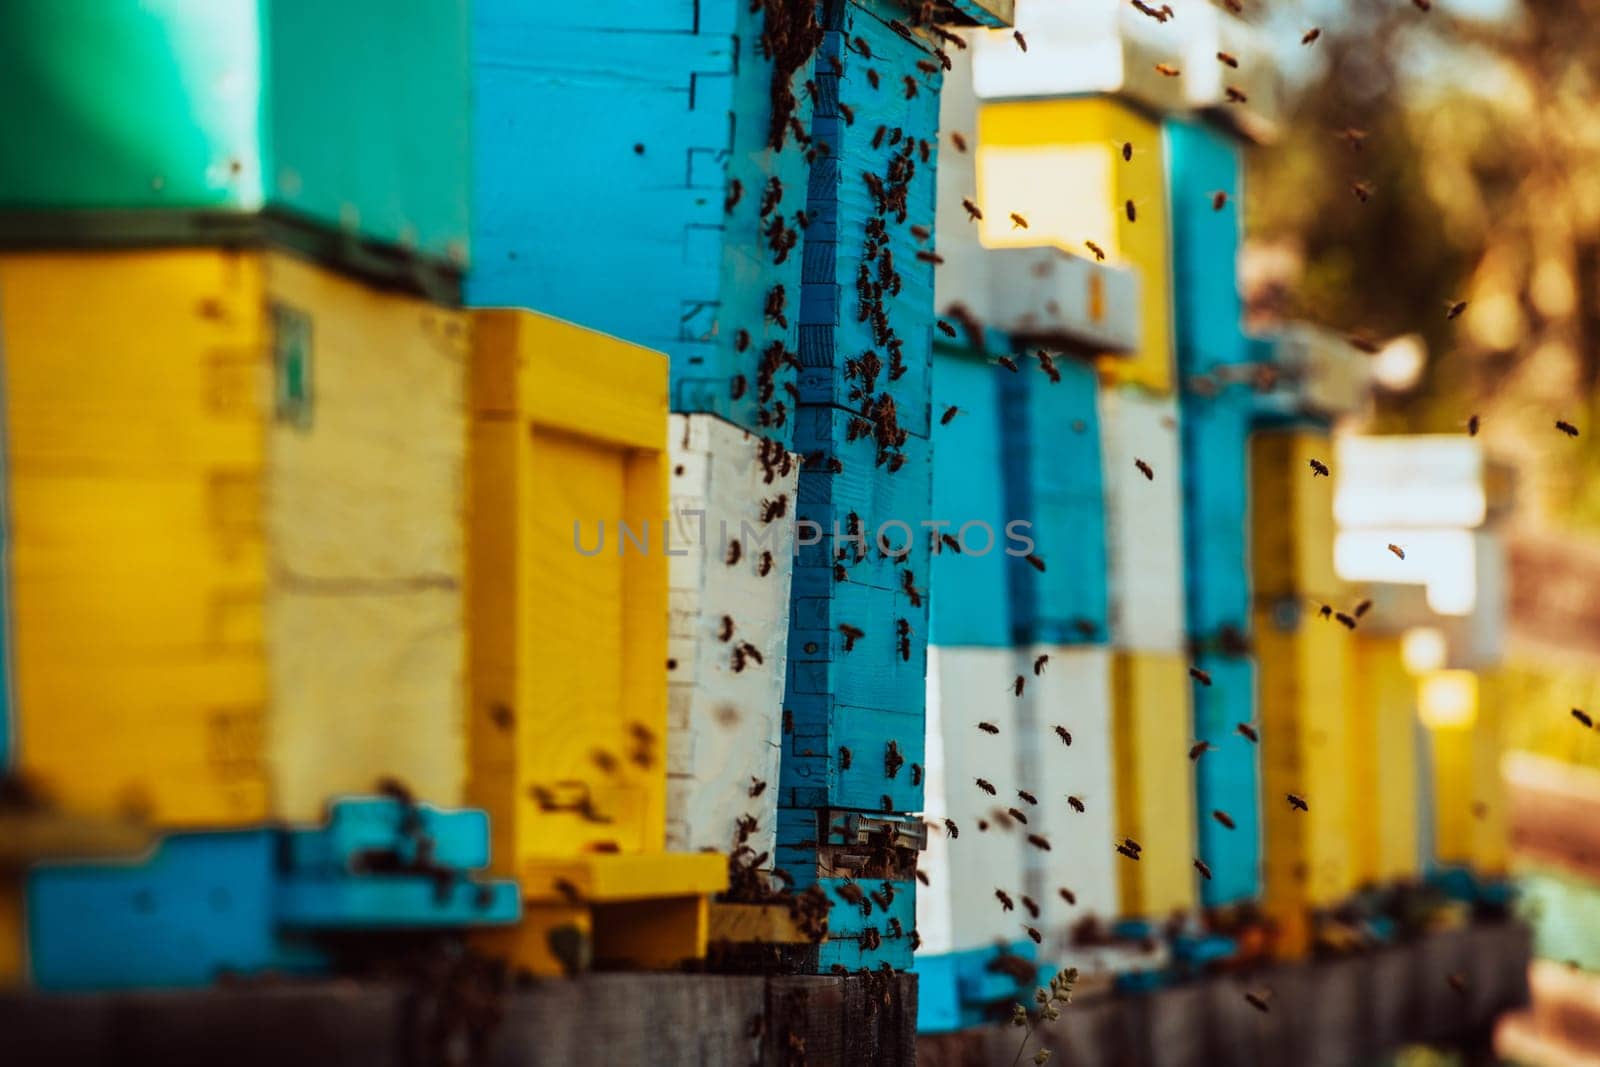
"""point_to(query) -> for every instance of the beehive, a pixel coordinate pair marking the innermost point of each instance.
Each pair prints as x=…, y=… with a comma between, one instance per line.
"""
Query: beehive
x=1057, y=163
x=729, y=632
x=168, y=121
x=1383, y=773
x=1291, y=516
x=1203, y=160
x=1469, y=805
x=1216, y=478
x=1227, y=778
x=1155, y=798
x=1144, y=519
x=221, y=464
x=684, y=175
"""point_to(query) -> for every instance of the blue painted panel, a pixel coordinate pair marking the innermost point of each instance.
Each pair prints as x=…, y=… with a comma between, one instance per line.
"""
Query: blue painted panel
x=848, y=922
x=1202, y=160
x=1216, y=464
x=456, y=838
x=956, y=990
x=1227, y=778
x=1053, y=479
x=655, y=130
x=388, y=902
x=201, y=905
x=971, y=598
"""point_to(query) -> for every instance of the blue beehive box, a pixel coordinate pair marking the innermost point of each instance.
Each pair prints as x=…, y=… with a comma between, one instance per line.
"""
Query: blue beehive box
x=970, y=597
x=1053, y=481
x=1202, y=160
x=626, y=179
x=1216, y=464
x=957, y=990
x=1227, y=779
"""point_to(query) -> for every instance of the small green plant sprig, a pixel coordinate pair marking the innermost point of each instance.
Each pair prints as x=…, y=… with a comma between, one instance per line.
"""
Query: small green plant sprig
x=1059, y=993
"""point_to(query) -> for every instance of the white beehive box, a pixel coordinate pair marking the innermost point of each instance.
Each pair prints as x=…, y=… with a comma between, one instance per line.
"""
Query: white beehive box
x=1144, y=520
x=958, y=909
x=725, y=702
x=1073, y=692
x=1058, y=298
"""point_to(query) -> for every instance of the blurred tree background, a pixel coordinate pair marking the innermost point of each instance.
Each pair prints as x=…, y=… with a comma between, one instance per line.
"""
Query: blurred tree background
x=1482, y=149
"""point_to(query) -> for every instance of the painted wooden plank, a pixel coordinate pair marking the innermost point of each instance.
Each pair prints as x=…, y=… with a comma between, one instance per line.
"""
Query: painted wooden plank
x=1155, y=794
x=1227, y=778
x=857, y=939
x=1144, y=519
x=567, y=724
x=1291, y=516
x=1207, y=309
x=686, y=179
x=724, y=702
x=969, y=603
x=457, y=838
x=1383, y=775
x=1469, y=817
x=1054, y=482
x=393, y=902
x=1058, y=163
x=1073, y=692
x=1216, y=464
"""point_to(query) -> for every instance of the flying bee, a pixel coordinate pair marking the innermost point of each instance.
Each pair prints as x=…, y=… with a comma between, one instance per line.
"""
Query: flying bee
x=986, y=786
x=1583, y=717
x=946, y=329
x=911, y=86
x=1256, y=1001
x=1224, y=818
x=1457, y=982
x=1205, y=872
x=1038, y=842
x=1472, y=426
x=1128, y=852
x=1224, y=57
x=1566, y=428
x=1038, y=938
x=1362, y=608
x=1145, y=469
x=1219, y=200
x=1344, y=620
x=1237, y=96
x=1039, y=662
x=1017, y=814
x=1326, y=611
x=1127, y=151
x=1203, y=677
x=1399, y=552
x=757, y=786
x=1423, y=6
x=1198, y=749
x=922, y=876
x=1167, y=71
x=878, y=136
x=988, y=727
x=1016, y=686
x=959, y=141
x=1008, y=363
x=952, y=829
x=1035, y=562
x=1065, y=735
x=1033, y=909
x=848, y=112
x=1297, y=802
x=1018, y=222
x=1022, y=42
x=930, y=257
x=1099, y=253
x=1454, y=310
x=951, y=543
x=974, y=212
x=1319, y=469
x=734, y=552
x=1363, y=341
x=1004, y=898
x=1233, y=5
x=1248, y=732
x=1029, y=797
x=1068, y=895
x=1311, y=35
x=1131, y=211
x=502, y=716
x=1353, y=137
x=726, y=633
x=872, y=77
x=1075, y=804
x=1362, y=191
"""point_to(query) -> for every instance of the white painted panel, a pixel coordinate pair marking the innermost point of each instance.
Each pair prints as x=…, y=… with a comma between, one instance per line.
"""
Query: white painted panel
x=1144, y=520
x=1073, y=692
x=1048, y=294
x=958, y=909
x=724, y=724
x=960, y=279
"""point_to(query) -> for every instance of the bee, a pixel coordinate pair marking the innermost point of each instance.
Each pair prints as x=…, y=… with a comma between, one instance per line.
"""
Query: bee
x=1085, y=627
x=1237, y=96
x=757, y=786
x=1145, y=469
x=848, y=112
x=1022, y=42
x=1457, y=982
x=604, y=760
x=1016, y=686
x=1167, y=71
x=1127, y=151
x=1048, y=365
x=908, y=584
x=1423, y=6
x=1362, y=341
x=1472, y=426
x=844, y=758
x=1027, y=796
x=1233, y=5
x=892, y=759
x=946, y=329
x=1198, y=749
x=1016, y=813
x=1311, y=35
x=1018, y=222
x=986, y=786
x=1297, y=802
x=1067, y=895
x=1099, y=253
x=1567, y=428
x=1004, y=898
x=852, y=634
x=916, y=774
x=1319, y=469
x=1223, y=57
x=1075, y=804
x=726, y=633
x=1326, y=611
x=877, y=137
x=1344, y=620
x=1038, y=938
x=1583, y=717
x=1224, y=818
x=1362, y=191
x=1131, y=211
x=1038, y=842
x=736, y=387
x=951, y=543
x=951, y=829
x=974, y=213
x=927, y=66
x=1008, y=363
x=1038, y=663
x=1219, y=200
x=1362, y=608
x=1033, y=909
x=983, y=825
x=1065, y=735
x=911, y=86
x=1353, y=137
x=1248, y=732
x=988, y=727
x=930, y=257
x=1399, y=552
x=1205, y=872
x=502, y=716
x=735, y=194
x=1128, y=852
x=1203, y=677
x=921, y=875
x=1256, y=1001
x=568, y=891
x=741, y=340
x=958, y=141
x=1035, y=562
x=872, y=77
x=850, y=893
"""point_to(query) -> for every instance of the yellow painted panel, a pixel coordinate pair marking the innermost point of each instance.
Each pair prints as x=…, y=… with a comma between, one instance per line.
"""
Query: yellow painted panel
x=1305, y=750
x=365, y=514
x=1155, y=795
x=1059, y=164
x=1291, y=517
x=568, y=647
x=1470, y=817
x=1383, y=761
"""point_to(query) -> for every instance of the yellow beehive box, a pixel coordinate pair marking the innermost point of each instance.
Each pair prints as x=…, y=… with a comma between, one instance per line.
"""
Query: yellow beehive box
x=1463, y=717
x=1305, y=750
x=1155, y=795
x=1383, y=762
x=1058, y=163
x=237, y=548
x=1291, y=516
